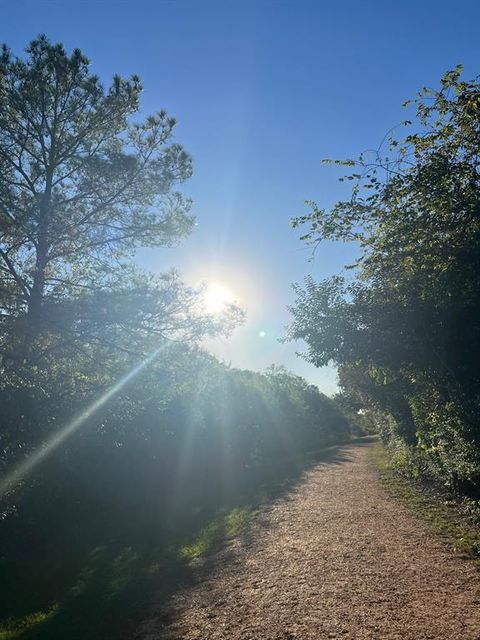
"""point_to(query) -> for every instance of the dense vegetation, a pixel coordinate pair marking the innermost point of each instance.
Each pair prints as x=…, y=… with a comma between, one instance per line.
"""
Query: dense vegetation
x=404, y=326
x=120, y=437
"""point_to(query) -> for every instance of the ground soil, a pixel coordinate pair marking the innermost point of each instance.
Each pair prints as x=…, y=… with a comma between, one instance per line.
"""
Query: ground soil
x=334, y=557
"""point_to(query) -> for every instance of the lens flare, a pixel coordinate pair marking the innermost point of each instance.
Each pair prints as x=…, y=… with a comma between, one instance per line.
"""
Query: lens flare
x=27, y=466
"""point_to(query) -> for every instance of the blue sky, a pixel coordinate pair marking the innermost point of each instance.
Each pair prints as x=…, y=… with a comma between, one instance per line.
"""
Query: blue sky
x=262, y=91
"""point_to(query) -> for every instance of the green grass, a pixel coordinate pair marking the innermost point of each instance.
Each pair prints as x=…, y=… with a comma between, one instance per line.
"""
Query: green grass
x=13, y=628
x=224, y=527
x=447, y=515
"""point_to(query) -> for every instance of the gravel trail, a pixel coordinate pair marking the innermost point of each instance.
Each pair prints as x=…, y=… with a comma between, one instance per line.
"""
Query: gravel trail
x=336, y=557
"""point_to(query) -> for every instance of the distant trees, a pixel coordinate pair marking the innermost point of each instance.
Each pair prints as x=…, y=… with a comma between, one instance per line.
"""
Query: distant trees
x=405, y=330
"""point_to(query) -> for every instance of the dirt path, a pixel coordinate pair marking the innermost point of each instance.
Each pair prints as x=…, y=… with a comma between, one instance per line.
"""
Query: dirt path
x=334, y=558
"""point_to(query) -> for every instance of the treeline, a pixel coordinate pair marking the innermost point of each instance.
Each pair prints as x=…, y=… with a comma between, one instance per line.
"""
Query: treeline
x=404, y=324
x=187, y=436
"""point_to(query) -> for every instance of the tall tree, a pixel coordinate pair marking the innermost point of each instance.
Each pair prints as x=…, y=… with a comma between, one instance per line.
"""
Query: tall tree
x=82, y=185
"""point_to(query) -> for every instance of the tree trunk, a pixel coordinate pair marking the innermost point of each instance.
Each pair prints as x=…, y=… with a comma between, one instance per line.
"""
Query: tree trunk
x=35, y=303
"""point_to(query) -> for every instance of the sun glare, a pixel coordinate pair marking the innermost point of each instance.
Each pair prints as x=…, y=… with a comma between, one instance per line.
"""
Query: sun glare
x=217, y=296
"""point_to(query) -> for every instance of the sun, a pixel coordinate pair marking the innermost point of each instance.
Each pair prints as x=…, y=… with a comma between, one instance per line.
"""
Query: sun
x=216, y=297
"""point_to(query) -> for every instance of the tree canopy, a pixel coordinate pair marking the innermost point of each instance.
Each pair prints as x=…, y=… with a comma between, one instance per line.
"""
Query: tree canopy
x=83, y=183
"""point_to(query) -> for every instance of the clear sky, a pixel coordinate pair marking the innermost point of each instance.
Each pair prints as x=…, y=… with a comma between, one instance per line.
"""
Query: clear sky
x=262, y=91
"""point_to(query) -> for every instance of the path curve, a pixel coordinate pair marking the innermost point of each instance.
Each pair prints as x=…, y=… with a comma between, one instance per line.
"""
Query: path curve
x=334, y=558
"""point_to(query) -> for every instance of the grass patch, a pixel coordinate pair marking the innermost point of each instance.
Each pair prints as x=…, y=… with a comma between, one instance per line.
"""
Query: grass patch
x=447, y=515
x=12, y=627
x=225, y=526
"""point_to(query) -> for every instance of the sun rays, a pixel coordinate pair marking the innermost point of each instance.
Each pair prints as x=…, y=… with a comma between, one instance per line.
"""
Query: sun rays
x=28, y=465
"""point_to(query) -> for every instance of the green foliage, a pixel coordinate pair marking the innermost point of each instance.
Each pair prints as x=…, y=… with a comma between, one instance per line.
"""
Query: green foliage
x=404, y=327
x=223, y=527
x=362, y=421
